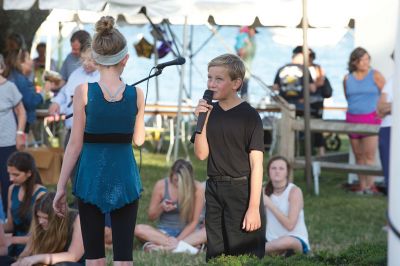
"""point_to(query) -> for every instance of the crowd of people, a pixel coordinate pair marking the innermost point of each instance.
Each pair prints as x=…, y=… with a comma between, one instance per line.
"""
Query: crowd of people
x=231, y=213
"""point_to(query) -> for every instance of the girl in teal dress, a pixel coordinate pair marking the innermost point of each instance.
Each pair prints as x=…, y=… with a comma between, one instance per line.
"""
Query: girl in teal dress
x=108, y=116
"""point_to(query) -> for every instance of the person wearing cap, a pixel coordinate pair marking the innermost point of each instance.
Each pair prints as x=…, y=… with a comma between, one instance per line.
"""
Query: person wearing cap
x=39, y=64
x=245, y=47
x=289, y=81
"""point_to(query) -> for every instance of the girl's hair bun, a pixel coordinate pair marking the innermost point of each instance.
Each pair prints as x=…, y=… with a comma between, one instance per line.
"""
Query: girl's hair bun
x=105, y=25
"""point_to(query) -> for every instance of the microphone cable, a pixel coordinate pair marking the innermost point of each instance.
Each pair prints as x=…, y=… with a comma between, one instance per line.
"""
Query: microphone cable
x=145, y=103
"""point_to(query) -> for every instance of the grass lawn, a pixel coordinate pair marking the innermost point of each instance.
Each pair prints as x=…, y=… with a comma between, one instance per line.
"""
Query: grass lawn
x=344, y=229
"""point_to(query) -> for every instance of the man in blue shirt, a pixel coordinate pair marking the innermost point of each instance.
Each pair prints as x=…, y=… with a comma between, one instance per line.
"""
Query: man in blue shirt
x=72, y=61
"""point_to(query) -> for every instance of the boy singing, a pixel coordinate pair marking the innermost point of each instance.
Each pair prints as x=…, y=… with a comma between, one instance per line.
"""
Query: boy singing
x=232, y=140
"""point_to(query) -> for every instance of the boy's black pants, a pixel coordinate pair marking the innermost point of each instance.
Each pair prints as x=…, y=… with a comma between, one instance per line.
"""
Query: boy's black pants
x=227, y=200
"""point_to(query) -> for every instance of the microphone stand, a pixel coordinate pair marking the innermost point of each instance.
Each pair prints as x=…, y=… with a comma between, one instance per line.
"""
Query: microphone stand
x=157, y=73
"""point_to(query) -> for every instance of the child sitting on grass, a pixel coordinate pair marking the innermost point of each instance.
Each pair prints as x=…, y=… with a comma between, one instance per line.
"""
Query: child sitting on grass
x=53, y=239
x=177, y=202
x=286, y=229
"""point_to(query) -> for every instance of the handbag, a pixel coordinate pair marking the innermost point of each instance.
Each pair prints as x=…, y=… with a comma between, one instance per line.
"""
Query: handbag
x=326, y=89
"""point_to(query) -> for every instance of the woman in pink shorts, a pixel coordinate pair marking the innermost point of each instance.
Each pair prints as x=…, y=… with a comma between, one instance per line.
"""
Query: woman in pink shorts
x=362, y=88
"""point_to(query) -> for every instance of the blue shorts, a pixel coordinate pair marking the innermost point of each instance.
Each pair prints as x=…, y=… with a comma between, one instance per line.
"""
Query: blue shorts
x=2, y=215
x=174, y=232
x=384, y=152
x=303, y=244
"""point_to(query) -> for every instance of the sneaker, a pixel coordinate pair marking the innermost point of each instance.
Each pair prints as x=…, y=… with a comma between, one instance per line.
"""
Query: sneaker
x=358, y=191
x=184, y=247
x=373, y=190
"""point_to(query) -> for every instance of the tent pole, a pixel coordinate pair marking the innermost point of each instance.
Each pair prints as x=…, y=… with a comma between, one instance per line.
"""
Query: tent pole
x=394, y=171
x=156, y=63
x=181, y=88
x=59, y=46
x=306, y=93
x=191, y=61
x=48, y=49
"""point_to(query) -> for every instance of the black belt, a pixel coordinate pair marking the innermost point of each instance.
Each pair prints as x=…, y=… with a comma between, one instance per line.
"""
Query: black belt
x=225, y=178
x=107, y=138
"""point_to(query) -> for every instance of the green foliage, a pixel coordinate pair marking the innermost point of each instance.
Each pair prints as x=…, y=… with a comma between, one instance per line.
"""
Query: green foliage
x=361, y=254
x=358, y=255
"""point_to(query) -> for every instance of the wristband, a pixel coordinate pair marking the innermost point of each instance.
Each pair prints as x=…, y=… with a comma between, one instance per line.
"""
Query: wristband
x=20, y=132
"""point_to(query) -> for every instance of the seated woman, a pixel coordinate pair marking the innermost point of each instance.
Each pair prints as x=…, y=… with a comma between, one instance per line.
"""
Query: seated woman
x=26, y=188
x=53, y=239
x=177, y=201
x=192, y=243
x=286, y=230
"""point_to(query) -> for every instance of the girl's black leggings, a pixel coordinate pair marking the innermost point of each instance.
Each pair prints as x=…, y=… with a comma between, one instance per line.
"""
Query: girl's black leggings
x=123, y=222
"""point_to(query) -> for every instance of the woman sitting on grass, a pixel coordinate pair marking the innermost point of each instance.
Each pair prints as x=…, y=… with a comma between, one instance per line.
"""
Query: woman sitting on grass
x=286, y=230
x=177, y=201
x=53, y=239
x=26, y=188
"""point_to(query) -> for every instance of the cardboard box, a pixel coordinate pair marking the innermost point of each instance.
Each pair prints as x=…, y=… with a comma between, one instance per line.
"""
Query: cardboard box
x=48, y=161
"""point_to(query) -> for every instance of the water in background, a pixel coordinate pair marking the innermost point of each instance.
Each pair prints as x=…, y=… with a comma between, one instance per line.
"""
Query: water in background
x=269, y=57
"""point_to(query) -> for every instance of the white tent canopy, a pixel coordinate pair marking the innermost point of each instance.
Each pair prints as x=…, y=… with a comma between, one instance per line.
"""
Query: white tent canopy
x=375, y=20
x=322, y=13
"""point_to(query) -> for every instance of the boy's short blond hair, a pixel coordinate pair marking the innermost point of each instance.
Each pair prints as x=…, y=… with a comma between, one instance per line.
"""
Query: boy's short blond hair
x=235, y=65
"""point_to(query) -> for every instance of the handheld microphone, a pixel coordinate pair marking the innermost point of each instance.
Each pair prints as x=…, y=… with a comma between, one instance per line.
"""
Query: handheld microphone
x=177, y=61
x=208, y=95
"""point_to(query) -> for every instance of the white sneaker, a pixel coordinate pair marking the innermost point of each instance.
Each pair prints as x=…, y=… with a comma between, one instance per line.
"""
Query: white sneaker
x=184, y=247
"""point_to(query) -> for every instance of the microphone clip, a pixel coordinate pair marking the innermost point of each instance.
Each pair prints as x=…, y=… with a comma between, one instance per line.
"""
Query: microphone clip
x=158, y=70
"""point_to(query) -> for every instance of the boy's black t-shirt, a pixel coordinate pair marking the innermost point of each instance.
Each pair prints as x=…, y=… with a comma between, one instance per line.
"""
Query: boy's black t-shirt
x=231, y=135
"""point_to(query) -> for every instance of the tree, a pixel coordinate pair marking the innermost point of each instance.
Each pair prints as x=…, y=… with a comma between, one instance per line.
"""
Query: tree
x=25, y=22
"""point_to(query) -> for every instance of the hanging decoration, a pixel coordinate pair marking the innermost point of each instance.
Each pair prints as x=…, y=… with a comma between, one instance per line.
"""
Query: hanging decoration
x=144, y=48
x=164, y=49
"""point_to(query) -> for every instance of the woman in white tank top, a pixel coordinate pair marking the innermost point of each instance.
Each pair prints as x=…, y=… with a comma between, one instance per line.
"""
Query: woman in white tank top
x=283, y=201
